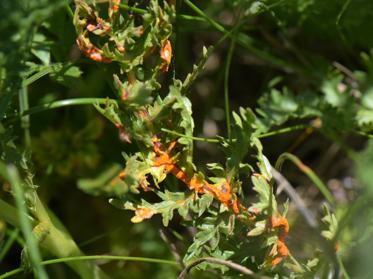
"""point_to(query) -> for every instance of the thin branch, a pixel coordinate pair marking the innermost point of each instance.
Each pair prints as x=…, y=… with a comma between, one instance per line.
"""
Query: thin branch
x=174, y=251
x=229, y=264
x=307, y=171
x=190, y=137
x=283, y=183
x=283, y=131
x=64, y=103
x=226, y=87
x=245, y=41
x=344, y=70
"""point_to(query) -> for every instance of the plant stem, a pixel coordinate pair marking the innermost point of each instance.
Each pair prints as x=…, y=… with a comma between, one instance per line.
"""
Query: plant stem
x=92, y=258
x=54, y=238
x=190, y=137
x=25, y=120
x=265, y=135
x=13, y=235
x=342, y=267
x=67, y=103
x=283, y=131
x=230, y=264
x=143, y=11
x=283, y=183
x=244, y=41
x=307, y=171
x=68, y=9
x=25, y=224
x=226, y=88
x=10, y=214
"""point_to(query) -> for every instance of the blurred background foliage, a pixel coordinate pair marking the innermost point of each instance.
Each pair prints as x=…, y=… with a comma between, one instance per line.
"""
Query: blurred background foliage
x=297, y=44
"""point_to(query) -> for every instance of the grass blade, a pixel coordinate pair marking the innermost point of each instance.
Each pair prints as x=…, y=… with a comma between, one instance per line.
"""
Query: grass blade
x=25, y=224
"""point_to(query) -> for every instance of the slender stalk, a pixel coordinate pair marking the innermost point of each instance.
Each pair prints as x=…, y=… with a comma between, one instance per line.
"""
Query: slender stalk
x=25, y=120
x=283, y=131
x=242, y=269
x=25, y=224
x=59, y=242
x=92, y=258
x=9, y=213
x=13, y=235
x=197, y=69
x=307, y=171
x=364, y=134
x=190, y=137
x=143, y=11
x=226, y=88
x=342, y=267
x=68, y=9
x=43, y=72
x=53, y=236
x=67, y=103
x=338, y=25
x=265, y=135
x=282, y=182
x=132, y=9
x=244, y=41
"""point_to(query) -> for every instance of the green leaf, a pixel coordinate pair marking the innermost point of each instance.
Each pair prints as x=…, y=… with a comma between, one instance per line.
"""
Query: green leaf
x=243, y=129
x=267, y=201
x=333, y=94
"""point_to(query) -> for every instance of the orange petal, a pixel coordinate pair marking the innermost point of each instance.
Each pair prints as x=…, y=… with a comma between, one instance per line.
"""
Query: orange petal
x=141, y=214
x=166, y=52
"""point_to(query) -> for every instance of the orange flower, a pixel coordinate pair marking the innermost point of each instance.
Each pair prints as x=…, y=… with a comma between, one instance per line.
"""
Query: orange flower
x=115, y=6
x=281, y=250
x=281, y=223
x=91, y=51
x=121, y=48
x=142, y=213
x=122, y=174
x=166, y=54
x=222, y=191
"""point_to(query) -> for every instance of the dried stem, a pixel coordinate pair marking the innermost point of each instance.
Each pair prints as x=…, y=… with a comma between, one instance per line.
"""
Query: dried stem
x=283, y=183
x=229, y=264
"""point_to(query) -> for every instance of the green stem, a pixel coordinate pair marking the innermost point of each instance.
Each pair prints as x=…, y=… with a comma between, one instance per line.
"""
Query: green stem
x=143, y=11
x=56, y=240
x=43, y=72
x=294, y=260
x=283, y=131
x=91, y=258
x=342, y=267
x=132, y=9
x=25, y=224
x=226, y=88
x=244, y=41
x=59, y=242
x=307, y=171
x=25, y=120
x=364, y=134
x=68, y=9
x=190, y=137
x=67, y=103
x=265, y=135
x=10, y=214
x=197, y=69
x=13, y=235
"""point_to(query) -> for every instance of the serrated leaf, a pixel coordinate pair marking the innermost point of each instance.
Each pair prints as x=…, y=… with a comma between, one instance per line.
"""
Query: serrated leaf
x=333, y=95
x=259, y=229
